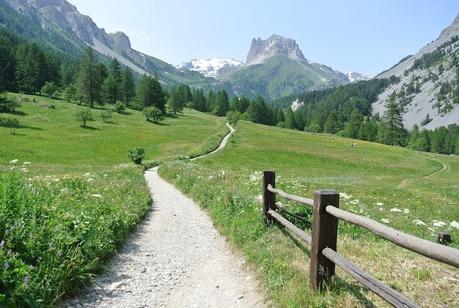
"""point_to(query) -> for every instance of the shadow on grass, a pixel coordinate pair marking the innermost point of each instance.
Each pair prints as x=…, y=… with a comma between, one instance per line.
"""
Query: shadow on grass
x=89, y=127
x=337, y=285
x=158, y=123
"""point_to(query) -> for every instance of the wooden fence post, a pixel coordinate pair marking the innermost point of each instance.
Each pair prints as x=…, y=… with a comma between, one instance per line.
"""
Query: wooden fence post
x=269, y=198
x=324, y=235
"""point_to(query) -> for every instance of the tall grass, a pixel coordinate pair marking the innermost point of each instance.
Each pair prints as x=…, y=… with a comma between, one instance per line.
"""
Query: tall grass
x=56, y=233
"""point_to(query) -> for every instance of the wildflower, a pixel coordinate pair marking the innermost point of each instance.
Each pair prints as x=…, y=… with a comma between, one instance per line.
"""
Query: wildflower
x=96, y=195
x=454, y=224
x=2, y=244
x=88, y=174
x=27, y=279
x=418, y=222
x=90, y=179
x=379, y=203
x=385, y=220
x=26, y=163
x=406, y=211
x=14, y=162
x=395, y=210
x=355, y=202
x=438, y=223
x=25, y=170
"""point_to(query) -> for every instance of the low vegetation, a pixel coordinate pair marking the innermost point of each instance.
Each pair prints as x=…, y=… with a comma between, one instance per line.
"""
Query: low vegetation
x=70, y=196
x=410, y=191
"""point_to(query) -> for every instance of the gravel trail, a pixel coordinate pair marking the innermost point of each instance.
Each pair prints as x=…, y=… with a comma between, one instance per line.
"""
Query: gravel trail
x=175, y=259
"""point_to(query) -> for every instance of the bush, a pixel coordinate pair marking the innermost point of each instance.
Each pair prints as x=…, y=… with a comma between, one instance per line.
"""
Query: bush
x=119, y=107
x=148, y=164
x=11, y=123
x=106, y=116
x=153, y=114
x=137, y=155
x=233, y=117
x=49, y=89
x=8, y=105
x=83, y=116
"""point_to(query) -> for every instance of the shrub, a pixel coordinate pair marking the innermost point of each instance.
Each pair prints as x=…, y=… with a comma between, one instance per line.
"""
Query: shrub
x=106, y=116
x=83, y=116
x=9, y=105
x=153, y=114
x=119, y=107
x=137, y=155
x=49, y=89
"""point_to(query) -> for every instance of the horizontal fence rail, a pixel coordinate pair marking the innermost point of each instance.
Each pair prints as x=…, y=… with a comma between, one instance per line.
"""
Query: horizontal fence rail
x=283, y=194
x=324, y=255
x=294, y=229
x=429, y=249
x=390, y=295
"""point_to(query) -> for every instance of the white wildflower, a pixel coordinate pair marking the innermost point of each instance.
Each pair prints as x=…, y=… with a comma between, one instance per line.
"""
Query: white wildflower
x=385, y=220
x=406, y=211
x=355, y=202
x=96, y=195
x=253, y=178
x=88, y=174
x=345, y=196
x=379, y=203
x=90, y=179
x=259, y=198
x=419, y=222
x=454, y=224
x=25, y=170
x=438, y=223
x=26, y=163
x=12, y=168
x=14, y=162
x=395, y=210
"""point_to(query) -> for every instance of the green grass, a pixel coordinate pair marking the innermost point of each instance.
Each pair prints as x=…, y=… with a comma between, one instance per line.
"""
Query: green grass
x=73, y=197
x=377, y=181
x=54, y=142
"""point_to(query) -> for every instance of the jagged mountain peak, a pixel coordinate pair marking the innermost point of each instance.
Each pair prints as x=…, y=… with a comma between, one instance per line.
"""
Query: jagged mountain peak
x=214, y=67
x=276, y=45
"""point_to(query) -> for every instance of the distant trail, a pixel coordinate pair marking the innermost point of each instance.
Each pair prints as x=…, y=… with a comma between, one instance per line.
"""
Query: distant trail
x=444, y=168
x=222, y=144
x=175, y=259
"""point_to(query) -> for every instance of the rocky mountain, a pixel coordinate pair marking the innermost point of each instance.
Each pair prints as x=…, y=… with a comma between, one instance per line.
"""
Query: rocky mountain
x=215, y=67
x=61, y=21
x=354, y=76
x=428, y=85
x=276, y=67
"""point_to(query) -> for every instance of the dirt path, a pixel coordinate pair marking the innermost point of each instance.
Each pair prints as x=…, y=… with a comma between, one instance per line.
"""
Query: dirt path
x=429, y=176
x=222, y=143
x=175, y=259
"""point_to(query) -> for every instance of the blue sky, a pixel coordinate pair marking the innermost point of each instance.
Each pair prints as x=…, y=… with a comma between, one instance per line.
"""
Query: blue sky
x=366, y=36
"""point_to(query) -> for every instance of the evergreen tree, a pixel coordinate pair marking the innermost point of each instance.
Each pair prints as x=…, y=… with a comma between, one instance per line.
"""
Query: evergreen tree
x=439, y=140
x=243, y=104
x=7, y=77
x=112, y=84
x=392, y=130
x=174, y=103
x=30, y=68
x=221, y=103
x=127, y=86
x=352, y=128
x=331, y=124
x=88, y=83
x=199, y=100
x=150, y=93
x=290, y=119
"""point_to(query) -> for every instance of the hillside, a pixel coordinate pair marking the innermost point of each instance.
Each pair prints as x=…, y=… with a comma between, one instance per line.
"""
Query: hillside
x=408, y=190
x=428, y=86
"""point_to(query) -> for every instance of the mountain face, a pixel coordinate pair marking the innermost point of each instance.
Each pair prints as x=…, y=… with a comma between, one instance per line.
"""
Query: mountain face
x=276, y=45
x=215, y=67
x=354, y=76
x=58, y=20
x=428, y=87
x=276, y=67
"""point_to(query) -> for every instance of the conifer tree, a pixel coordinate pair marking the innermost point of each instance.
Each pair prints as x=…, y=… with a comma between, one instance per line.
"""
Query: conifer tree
x=392, y=130
x=127, y=86
x=89, y=76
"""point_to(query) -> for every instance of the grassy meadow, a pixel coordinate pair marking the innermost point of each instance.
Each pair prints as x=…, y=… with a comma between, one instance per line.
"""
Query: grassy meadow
x=69, y=196
x=417, y=193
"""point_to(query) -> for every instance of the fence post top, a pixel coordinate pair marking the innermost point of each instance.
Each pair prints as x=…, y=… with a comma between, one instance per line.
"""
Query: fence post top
x=268, y=171
x=326, y=192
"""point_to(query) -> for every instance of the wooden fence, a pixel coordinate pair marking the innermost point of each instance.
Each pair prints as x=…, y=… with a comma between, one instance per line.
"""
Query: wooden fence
x=322, y=242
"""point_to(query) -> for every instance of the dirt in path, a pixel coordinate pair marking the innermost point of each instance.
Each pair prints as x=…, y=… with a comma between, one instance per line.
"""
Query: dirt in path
x=444, y=168
x=175, y=259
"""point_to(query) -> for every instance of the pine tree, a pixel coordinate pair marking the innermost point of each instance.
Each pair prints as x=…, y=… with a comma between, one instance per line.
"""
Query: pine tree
x=30, y=68
x=290, y=119
x=7, y=77
x=89, y=76
x=221, y=103
x=352, y=128
x=392, y=130
x=199, y=100
x=150, y=93
x=127, y=86
x=331, y=124
x=112, y=84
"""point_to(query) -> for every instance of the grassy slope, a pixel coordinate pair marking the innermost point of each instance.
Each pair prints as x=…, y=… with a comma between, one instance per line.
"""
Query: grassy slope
x=64, y=214
x=55, y=142
x=228, y=183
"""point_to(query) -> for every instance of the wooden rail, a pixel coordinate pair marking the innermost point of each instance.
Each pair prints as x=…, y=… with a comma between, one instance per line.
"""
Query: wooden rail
x=324, y=256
